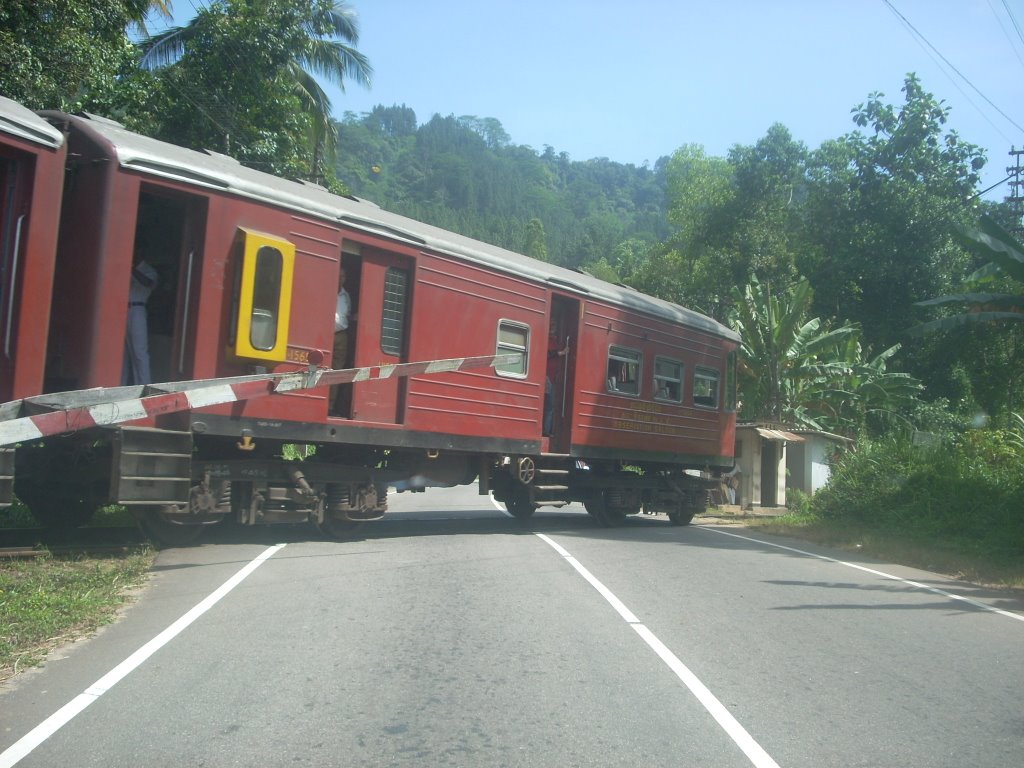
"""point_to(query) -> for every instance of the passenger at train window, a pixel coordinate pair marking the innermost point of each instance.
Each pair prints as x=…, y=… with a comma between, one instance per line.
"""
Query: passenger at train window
x=136, y=341
x=624, y=367
x=342, y=314
x=705, y=387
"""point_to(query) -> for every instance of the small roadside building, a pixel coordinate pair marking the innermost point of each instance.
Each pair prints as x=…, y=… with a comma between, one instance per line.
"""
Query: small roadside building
x=761, y=457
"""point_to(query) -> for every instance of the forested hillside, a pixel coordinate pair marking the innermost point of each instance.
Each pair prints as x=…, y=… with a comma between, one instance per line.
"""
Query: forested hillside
x=465, y=173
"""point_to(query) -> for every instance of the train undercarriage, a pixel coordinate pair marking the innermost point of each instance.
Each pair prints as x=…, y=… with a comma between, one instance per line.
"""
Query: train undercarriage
x=177, y=483
x=609, y=491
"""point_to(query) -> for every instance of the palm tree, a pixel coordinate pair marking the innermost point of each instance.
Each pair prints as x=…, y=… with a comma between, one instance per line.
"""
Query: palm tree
x=329, y=33
x=161, y=8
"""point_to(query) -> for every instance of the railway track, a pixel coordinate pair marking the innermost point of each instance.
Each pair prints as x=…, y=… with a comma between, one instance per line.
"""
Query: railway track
x=31, y=542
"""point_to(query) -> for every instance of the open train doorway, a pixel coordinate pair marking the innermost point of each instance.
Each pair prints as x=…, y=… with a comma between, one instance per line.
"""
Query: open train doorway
x=168, y=241
x=11, y=226
x=559, y=385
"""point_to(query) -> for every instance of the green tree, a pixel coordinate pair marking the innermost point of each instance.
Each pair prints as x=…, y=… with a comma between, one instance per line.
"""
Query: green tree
x=766, y=209
x=736, y=217
x=700, y=188
x=536, y=246
x=57, y=54
x=220, y=59
x=877, y=214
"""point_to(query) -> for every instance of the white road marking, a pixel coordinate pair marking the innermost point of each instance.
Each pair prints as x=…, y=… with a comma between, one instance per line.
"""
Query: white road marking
x=24, y=746
x=754, y=752
x=874, y=572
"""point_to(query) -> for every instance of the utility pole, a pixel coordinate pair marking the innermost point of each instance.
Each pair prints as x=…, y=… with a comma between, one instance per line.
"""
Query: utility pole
x=1015, y=200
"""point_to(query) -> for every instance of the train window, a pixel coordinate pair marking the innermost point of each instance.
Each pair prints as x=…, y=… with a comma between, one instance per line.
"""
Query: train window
x=513, y=338
x=668, y=380
x=705, y=387
x=266, y=290
x=624, y=370
x=261, y=304
x=392, y=323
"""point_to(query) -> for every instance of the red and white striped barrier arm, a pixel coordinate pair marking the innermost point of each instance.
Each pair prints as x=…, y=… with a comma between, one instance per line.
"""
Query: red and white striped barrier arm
x=70, y=414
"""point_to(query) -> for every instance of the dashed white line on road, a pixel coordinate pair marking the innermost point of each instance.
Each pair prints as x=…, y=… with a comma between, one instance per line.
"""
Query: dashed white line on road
x=754, y=752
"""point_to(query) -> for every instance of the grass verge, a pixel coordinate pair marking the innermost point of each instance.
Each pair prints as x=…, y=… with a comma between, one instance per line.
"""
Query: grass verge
x=964, y=559
x=53, y=598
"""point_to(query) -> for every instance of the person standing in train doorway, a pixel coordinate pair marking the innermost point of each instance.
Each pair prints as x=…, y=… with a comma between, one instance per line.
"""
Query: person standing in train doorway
x=136, y=340
x=339, y=359
x=555, y=354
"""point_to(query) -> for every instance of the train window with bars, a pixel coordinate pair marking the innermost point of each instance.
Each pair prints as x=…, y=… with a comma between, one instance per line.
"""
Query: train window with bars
x=624, y=370
x=513, y=338
x=668, y=380
x=392, y=322
x=705, y=387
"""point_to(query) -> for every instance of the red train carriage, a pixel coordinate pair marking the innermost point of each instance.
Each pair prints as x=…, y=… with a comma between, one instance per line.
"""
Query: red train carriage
x=247, y=268
x=31, y=177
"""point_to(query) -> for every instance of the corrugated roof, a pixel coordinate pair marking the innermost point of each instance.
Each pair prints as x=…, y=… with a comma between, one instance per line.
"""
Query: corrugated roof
x=778, y=435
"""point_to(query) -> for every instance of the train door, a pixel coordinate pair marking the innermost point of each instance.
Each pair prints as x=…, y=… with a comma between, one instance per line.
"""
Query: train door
x=563, y=332
x=169, y=238
x=340, y=398
x=12, y=219
x=381, y=333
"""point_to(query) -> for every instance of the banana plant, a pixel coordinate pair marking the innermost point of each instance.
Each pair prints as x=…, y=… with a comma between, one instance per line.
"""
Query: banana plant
x=1006, y=260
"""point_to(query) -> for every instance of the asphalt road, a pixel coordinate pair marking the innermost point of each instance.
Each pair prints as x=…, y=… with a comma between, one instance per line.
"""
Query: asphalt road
x=451, y=635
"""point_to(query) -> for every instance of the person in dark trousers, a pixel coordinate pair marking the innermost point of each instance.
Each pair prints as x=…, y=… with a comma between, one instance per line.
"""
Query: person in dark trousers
x=555, y=354
x=136, y=340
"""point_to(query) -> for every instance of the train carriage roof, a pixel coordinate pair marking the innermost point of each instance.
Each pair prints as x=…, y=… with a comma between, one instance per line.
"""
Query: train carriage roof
x=19, y=121
x=219, y=172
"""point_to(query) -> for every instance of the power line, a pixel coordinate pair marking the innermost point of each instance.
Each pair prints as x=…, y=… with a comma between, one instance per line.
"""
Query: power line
x=920, y=36
x=1013, y=20
x=1013, y=46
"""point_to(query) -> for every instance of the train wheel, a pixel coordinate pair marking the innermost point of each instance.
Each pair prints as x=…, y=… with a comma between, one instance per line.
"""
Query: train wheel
x=519, y=505
x=159, y=526
x=682, y=516
x=688, y=506
x=607, y=515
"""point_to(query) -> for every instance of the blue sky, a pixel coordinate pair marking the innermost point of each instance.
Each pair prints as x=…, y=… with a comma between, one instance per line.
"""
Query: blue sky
x=632, y=81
